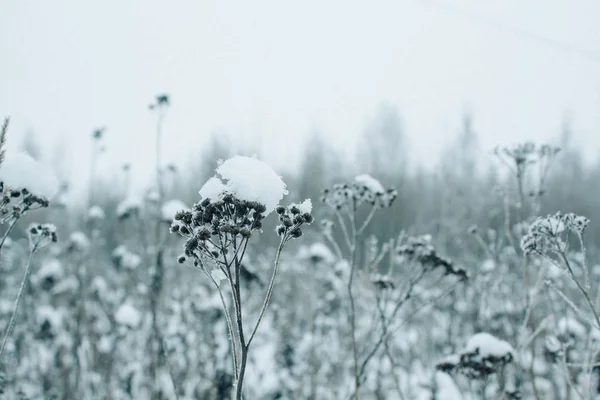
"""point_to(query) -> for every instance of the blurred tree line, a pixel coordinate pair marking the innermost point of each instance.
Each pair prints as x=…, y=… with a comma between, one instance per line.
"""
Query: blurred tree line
x=463, y=187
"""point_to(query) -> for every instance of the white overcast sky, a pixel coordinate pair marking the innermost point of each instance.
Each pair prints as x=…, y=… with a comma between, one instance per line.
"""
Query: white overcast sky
x=269, y=72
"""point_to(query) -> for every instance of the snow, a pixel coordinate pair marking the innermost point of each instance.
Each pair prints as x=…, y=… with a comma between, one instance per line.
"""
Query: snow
x=128, y=315
x=153, y=196
x=305, y=207
x=67, y=285
x=95, y=213
x=213, y=188
x=317, y=252
x=370, y=183
x=218, y=276
x=488, y=345
x=571, y=325
x=79, y=241
x=21, y=171
x=50, y=268
x=247, y=179
x=126, y=258
x=50, y=314
x=105, y=345
x=446, y=388
x=171, y=207
x=130, y=204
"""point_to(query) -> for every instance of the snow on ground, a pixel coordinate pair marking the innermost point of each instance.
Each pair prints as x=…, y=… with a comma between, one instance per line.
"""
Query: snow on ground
x=21, y=171
x=247, y=179
x=128, y=315
x=370, y=183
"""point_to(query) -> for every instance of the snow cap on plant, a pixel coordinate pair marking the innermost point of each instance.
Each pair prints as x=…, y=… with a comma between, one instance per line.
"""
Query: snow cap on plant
x=24, y=185
x=234, y=206
x=483, y=355
x=364, y=189
x=248, y=179
x=20, y=171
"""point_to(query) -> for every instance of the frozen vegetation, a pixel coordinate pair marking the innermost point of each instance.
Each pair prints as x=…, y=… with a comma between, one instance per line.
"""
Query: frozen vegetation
x=335, y=283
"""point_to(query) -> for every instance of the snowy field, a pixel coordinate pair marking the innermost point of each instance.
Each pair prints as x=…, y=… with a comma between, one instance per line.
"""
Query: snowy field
x=239, y=281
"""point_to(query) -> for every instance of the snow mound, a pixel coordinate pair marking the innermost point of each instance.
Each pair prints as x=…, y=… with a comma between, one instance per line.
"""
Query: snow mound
x=247, y=179
x=126, y=258
x=20, y=171
x=128, y=315
x=171, y=207
x=446, y=388
x=488, y=345
x=567, y=325
x=95, y=213
x=317, y=252
x=78, y=241
x=50, y=268
x=48, y=314
x=130, y=205
x=370, y=183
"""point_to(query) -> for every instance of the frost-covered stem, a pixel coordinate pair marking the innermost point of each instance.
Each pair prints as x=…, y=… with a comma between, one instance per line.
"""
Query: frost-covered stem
x=509, y=235
x=158, y=272
x=240, y=382
x=10, y=227
x=367, y=220
x=335, y=245
x=529, y=309
x=92, y=170
x=11, y=323
x=344, y=230
x=227, y=316
x=586, y=269
x=581, y=289
x=159, y=186
x=387, y=350
x=269, y=290
x=352, y=247
x=569, y=378
x=569, y=303
x=80, y=319
x=385, y=333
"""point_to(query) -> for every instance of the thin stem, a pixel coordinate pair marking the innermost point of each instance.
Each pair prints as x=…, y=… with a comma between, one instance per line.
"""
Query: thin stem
x=269, y=291
x=11, y=323
x=11, y=226
x=582, y=290
x=227, y=317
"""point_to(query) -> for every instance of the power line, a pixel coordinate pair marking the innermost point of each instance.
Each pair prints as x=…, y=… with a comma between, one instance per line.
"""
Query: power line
x=589, y=55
